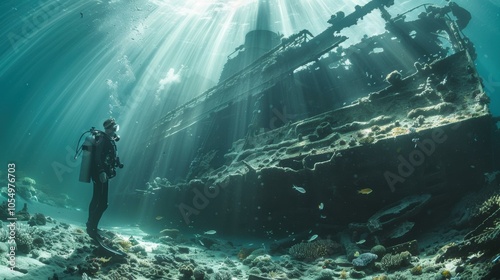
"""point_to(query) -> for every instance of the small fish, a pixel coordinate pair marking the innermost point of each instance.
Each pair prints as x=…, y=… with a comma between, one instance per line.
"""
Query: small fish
x=361, y=241
x=365, y=191
x=158, y=218
x=210, y=232
x=312, y=238
x=299, y=189
x=321, y=206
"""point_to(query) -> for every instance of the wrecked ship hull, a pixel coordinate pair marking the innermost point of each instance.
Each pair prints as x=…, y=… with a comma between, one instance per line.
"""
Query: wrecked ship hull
x=427, y=133
x=377, y=146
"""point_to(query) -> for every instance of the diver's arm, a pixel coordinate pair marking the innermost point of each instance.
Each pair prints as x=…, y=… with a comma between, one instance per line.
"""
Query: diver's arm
x=98, y=159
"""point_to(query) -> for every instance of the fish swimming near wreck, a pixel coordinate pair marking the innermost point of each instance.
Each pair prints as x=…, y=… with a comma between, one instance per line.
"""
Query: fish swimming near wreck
x=299, y=189
x=365, y=191
x=314, y=237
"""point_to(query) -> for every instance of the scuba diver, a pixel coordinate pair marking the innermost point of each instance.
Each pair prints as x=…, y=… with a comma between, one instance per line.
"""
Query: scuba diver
x=99, y=162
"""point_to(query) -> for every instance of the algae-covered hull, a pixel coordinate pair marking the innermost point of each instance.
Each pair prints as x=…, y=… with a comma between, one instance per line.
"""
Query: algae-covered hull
x=420, y=126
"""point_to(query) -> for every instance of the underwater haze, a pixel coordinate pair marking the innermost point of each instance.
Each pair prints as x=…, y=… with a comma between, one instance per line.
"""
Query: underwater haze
x=67, y=66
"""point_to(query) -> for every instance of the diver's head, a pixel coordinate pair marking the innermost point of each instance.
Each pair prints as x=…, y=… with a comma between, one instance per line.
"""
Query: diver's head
x=110, y=126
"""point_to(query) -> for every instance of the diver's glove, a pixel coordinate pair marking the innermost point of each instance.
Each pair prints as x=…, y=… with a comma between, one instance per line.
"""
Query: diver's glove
x=103, y=177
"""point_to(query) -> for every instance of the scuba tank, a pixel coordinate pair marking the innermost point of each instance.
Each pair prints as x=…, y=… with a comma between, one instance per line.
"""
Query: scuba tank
x=86, y=150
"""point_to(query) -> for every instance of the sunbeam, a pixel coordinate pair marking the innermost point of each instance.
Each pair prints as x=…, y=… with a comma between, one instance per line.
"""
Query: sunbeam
x=68, y=66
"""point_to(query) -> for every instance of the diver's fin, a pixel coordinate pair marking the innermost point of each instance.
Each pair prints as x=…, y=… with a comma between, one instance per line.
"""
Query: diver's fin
x=108, y=250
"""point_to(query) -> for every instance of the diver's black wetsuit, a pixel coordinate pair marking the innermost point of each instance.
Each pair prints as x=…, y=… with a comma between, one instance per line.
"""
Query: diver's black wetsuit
x=104, y=160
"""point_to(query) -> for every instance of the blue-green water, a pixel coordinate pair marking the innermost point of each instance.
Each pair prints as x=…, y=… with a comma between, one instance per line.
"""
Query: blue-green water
x=65, y=66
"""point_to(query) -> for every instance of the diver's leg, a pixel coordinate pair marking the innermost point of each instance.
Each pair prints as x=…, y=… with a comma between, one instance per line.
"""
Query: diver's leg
x=93, y=213
x=102, y=202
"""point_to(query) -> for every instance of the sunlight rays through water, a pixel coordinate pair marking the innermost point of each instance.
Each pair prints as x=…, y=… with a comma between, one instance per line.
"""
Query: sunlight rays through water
x=69, y=65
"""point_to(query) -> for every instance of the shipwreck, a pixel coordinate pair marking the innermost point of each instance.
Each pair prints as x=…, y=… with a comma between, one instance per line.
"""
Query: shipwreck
x=401, y=115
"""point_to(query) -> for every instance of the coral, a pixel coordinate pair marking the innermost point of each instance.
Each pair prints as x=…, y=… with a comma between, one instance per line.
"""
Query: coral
x=328, y=263
x=394, y=261
x=90, y=268
x=125, y=244
x=38, y=242
x=137, y=249
x=4, y=234
x=367, y=140
x=364, y=259
x=23, y=214
x=144, y=263
x=199, y=273
x=378, y=250
x=484, y=237
x=399, y=277
x=313, y=250
x=276, y=275
x=325, y=275
x=26, y=188
x=396, y=131
x=78, y=231
x=249, y=259
x=186, y=270
x=381, y=277
x=37, y=220
x=261, y=261
x=357, y=274
x=133, y=241
x=416, y=270
x=222, y=275
x=446, y=274
x=102, y=260
x=394, y=78
x=482, y=98
x=244, y=253
x=28, y=181
x=24, y=238
x=488, y=207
